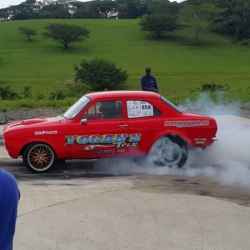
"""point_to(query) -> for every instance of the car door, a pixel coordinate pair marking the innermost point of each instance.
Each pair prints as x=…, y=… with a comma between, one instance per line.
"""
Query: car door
x=144, y=121
x=100, y=131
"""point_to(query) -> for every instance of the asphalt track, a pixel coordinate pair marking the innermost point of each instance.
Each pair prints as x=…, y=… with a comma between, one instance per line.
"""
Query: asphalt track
x=79, y=205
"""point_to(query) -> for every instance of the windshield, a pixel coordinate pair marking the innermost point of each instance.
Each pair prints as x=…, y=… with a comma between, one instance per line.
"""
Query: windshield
x=171, y=104
x=74, y=110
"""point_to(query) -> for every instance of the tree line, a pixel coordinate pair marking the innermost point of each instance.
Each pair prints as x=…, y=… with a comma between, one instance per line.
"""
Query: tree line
x=227, y=17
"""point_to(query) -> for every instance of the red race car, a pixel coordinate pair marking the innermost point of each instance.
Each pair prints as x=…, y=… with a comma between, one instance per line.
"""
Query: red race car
x=111, y=124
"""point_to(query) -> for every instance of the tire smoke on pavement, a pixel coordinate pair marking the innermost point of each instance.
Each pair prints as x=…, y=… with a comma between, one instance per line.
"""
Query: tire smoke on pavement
x=227, y=160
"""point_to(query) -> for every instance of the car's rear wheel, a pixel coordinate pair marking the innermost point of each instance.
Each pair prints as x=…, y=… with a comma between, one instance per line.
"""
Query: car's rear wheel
x=168, y=151
x=39, y=157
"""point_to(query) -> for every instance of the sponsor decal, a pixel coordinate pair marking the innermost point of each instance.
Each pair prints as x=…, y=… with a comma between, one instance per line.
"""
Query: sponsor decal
x=200, y=140
x=45, y=132
x=105, y=141
x=186, y=123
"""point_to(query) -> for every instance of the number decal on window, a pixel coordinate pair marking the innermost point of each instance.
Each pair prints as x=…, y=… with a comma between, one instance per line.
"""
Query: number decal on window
x=139, y=109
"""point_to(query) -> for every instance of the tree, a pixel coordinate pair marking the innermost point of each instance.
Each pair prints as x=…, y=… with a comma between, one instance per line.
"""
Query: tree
x=103, y=7
x=235, y=20
x=62, y=13
x=199, y=17
x=26, y=10
x=243, y=30
x=55, y=10
x=100, y=75
x=163, y=7
x=27, y=32
x=85, y=11
x=158, y=24
x=95, y=9
x=66, y=33
x=46, y=14
x=131, y=9
x=4, y=14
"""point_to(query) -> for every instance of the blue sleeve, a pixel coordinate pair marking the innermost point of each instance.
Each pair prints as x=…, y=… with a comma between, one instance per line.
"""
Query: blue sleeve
x=142, y=84
x=155, y=84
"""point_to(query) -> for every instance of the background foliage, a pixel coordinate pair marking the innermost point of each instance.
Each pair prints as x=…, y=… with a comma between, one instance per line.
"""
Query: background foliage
x=158, y=24
x=65, y=34
x=180, y=69
x=100, y=75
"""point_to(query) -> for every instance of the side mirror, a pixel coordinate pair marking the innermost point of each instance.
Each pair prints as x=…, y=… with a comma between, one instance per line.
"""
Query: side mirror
x=84, y=121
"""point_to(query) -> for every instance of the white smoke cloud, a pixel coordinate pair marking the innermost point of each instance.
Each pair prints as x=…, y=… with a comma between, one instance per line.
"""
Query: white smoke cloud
x=227, y=160
x=205, y=105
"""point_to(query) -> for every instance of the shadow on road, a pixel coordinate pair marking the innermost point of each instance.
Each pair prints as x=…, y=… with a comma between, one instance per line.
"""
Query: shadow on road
x=67, y=170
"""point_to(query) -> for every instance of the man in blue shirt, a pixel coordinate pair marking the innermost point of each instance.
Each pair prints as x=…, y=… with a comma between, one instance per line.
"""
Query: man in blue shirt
x=148, y=82
x=9, y=197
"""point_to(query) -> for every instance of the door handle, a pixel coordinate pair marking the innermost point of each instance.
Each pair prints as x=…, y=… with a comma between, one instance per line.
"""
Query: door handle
x=123, y=125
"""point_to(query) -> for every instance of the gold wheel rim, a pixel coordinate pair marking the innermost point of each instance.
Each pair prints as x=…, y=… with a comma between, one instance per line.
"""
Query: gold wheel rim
x=40, y=157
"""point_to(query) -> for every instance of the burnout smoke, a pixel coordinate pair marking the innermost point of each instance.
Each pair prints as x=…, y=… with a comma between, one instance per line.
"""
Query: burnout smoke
x=227, y=160
x=206, y=106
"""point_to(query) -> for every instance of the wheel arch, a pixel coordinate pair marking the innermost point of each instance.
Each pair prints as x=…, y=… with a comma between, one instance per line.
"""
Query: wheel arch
x=32, y=142
x=183, y=139
x=174, y=133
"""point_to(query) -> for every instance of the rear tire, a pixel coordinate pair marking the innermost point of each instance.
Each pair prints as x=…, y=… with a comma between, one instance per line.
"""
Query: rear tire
x=39, y=157
x=168, y=151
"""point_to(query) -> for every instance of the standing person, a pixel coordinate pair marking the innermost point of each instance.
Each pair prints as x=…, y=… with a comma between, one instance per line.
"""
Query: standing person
x=9, y=198
x=148, y=82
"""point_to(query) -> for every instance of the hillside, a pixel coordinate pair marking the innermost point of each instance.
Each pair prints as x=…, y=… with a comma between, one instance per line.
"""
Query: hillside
x=178, y=67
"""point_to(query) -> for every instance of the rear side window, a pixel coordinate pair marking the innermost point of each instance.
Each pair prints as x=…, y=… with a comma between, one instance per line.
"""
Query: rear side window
x=171, y=104
x=139, y=108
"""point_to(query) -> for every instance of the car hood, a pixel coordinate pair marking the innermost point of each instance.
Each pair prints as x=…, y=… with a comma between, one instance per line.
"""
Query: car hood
x=31, y=122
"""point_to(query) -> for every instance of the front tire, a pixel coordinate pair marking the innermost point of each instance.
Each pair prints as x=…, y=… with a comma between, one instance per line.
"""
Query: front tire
x=168, y=151
x=39, y=157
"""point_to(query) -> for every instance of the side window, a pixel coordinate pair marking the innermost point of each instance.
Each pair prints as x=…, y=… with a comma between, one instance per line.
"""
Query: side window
x=110, y=109
x=138, y=109
x=105, y=110
x=90, y=114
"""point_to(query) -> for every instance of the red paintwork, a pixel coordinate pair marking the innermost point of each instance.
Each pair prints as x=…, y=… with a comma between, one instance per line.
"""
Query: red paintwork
x=54, y=131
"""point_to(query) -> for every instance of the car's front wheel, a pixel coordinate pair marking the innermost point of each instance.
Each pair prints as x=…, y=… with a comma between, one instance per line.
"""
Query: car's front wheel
x=168, y=151
x=39, y=157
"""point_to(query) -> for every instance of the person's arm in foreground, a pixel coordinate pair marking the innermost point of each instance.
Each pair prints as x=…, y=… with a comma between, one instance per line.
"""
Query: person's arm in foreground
x=9, y=197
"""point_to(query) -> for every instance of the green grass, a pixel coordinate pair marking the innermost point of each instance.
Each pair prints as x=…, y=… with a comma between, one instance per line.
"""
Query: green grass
x=178, y=67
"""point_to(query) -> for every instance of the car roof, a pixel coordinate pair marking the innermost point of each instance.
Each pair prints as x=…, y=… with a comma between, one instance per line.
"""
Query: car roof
x=123, y=93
